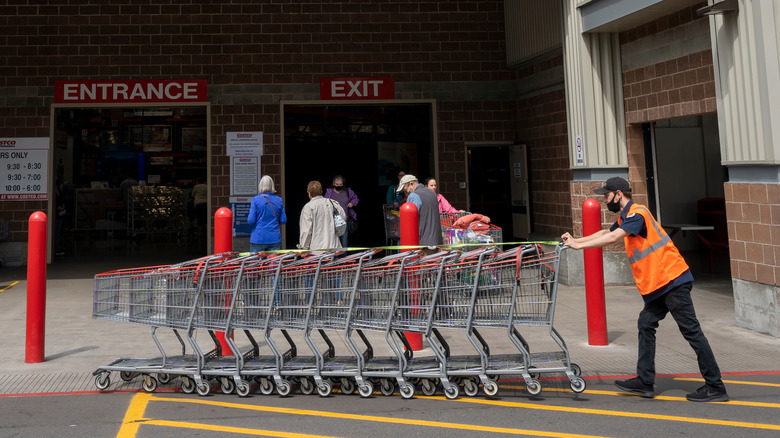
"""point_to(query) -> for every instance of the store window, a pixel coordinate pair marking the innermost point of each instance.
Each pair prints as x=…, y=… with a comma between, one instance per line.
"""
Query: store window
x=126, y=174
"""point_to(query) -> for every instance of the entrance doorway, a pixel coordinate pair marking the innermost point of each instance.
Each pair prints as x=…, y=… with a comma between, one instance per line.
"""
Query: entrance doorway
x=367, y=144
x=124, y=177
x=685, y=184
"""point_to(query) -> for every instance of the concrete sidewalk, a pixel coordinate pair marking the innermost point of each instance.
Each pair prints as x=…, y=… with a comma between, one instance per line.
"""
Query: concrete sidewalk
x=76, y=344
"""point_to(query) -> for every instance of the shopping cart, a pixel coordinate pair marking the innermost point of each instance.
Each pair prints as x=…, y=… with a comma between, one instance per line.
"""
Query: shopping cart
x=453, y=235
x=518, y=288
x=254, y=298
x=290, y=312
x=331, y=301
x=392, y=219
x=372, y=308
x=159, y=297
x=216, y=305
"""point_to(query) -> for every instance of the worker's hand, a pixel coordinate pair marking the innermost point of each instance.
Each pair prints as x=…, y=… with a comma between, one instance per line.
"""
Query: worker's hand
x=569, y=241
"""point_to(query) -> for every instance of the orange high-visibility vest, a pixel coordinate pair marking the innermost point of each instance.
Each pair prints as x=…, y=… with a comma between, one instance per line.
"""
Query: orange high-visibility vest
x=655, y=261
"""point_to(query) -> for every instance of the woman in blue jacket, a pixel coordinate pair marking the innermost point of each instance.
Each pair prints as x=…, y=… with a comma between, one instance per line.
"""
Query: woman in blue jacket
x=266, y=215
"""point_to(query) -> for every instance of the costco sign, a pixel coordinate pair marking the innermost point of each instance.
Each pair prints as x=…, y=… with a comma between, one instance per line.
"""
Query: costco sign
x=136, y=91
x=357, y=88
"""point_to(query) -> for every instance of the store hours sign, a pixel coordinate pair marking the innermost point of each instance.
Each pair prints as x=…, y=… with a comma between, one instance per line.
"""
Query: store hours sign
x=24, y=168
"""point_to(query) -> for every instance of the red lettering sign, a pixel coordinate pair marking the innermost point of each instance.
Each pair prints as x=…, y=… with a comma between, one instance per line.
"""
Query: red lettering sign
x=357, y=88
x=134, y=91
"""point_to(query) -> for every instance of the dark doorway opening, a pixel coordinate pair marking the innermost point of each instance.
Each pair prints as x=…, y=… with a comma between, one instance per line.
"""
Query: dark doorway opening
x=366, y=144
x=490, y=176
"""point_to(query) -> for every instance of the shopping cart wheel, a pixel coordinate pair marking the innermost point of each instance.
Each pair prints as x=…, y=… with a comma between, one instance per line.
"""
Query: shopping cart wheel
x=576, y=369
x=491, y=388
x=127, y=375
x=406, y=390
x=266, y=386
x=163, y=378
x=470, y=388
x=451, y=392
x=227, y=385
x=243, y=389
x=366, y=389
x=284, y=388
x=347, y=386
x=428, y=387
x=325, y=388
x=534, y=375
x=150, y=383
x=203, y=389
x=102, y=381
x=534, y=387
x=187, y=385
x=578, y=384
x=386, y=387
x=307, y=386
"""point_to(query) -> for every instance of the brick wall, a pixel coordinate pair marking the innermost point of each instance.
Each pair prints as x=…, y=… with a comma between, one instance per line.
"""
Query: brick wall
x=279, y=50
x=753, y=215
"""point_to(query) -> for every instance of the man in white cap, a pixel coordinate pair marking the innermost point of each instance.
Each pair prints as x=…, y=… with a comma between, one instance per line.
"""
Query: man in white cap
x=427, y=207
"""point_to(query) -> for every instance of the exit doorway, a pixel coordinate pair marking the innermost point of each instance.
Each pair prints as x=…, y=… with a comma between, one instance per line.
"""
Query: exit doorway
x=366, y=143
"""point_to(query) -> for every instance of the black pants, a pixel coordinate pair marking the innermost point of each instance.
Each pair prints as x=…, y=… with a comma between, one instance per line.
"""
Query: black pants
x=677, y=302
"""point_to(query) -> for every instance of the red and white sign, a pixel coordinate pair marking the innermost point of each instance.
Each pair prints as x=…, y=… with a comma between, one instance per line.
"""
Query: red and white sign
x=357, y=88
x=133, y=91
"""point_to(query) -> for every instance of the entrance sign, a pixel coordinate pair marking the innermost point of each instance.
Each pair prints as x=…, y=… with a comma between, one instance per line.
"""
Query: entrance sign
x=131, y=91
x=357, y=88
x=25, y=168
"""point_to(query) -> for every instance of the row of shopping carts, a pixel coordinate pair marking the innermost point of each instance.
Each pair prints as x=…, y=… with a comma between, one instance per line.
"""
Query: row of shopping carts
x=273, y=297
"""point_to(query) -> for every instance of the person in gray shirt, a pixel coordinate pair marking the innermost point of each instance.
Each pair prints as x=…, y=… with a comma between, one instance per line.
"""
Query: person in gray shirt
x=428, y=209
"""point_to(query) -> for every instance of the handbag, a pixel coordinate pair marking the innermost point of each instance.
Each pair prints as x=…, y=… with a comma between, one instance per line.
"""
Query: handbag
x=339, y=225
x=352, y=225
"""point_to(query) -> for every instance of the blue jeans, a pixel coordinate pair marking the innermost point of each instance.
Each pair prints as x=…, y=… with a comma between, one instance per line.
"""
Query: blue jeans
x=262, y=247
x=677, y=302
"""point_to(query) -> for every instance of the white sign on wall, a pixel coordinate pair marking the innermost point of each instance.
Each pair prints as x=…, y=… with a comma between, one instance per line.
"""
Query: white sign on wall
x=244, y=175
x=244, y=143
x=580, y=154
x=25, y=168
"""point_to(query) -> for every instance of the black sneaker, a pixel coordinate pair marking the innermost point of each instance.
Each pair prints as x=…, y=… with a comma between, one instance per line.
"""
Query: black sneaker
x=708, y=394
x=635, y=386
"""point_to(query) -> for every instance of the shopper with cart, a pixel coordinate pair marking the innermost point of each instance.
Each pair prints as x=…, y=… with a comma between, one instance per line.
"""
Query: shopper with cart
x=266, y=215
x=444, y=205
x=664, y=280
x=427, y=208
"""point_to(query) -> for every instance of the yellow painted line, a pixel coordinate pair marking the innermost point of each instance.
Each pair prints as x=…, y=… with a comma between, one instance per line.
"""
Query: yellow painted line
x=374, y=419
x=9, y=286
x=641, y=415
x=731, y=382
x=240, y=430
x=134, y=416
x=658, y=397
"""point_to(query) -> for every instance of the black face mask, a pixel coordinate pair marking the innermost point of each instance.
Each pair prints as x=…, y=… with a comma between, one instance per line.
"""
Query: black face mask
x=338, y=188
x=613, y=206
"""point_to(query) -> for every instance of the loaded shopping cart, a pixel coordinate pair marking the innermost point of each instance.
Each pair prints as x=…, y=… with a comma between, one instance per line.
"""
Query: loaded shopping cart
x=392, y=220
x=456, y=232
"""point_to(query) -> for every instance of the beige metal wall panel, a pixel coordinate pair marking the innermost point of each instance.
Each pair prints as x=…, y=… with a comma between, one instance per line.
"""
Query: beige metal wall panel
x=533, y=28
x=594, y=95
x=746, y=55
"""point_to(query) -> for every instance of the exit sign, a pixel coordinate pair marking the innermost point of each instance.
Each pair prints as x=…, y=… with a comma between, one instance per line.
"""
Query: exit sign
x=357, y=88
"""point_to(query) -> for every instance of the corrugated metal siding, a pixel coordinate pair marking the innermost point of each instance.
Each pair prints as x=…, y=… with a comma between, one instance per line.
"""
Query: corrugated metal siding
x=533, y=27
x=747, y=68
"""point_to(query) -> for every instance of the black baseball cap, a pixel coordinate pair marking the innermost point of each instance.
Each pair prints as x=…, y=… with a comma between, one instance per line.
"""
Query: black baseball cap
x=613, y=184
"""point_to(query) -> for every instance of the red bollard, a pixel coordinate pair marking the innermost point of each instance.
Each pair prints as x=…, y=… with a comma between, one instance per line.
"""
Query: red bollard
x=223, y=242
x=410, y=235
x=594, y=276
x=36, y=288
